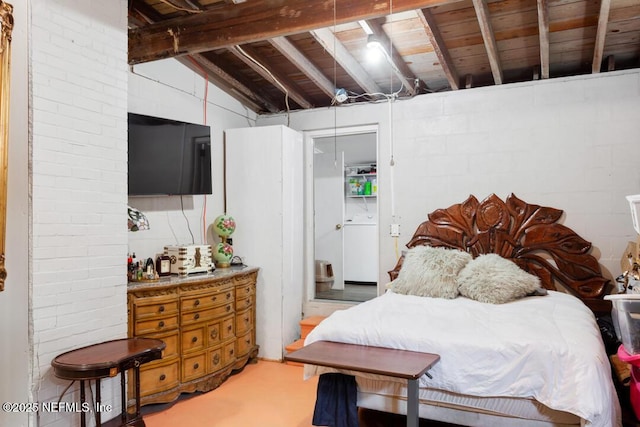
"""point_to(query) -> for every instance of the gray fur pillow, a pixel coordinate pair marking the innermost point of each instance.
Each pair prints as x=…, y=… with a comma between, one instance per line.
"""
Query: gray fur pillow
x=493, y=279
x=430, y=272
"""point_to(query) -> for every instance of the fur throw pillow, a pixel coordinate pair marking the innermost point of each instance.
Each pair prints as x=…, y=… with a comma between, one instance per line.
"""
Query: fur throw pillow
x=493, y=279
x=430, y=272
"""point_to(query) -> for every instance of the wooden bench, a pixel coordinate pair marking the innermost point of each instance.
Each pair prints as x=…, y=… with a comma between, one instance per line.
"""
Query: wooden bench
x=409, y=365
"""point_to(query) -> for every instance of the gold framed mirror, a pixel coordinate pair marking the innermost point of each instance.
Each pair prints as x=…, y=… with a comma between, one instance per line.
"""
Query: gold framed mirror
x=6, y=26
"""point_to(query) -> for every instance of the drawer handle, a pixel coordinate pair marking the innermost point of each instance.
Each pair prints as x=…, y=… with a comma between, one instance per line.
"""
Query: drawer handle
x=248, y=289
x=214, y=298
x=246, y=320
x=161, y=324
x=228, y=308
x=196, y=302
x=196, y=366
x=194, y=339
x=214, y=333
x=163, y=377
x=229, y=295
x=231, y=352
x=196, y=316
x=248, y=302
x=229, y=328
x=248, y=341
x=216, y=359
x=161, y=308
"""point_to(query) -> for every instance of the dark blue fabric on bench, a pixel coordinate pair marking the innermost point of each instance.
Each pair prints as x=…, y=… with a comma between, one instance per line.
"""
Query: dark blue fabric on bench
x=336, y=401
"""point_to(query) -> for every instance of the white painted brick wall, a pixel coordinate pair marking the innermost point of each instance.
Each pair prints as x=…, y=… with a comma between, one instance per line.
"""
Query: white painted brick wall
x=79, y=240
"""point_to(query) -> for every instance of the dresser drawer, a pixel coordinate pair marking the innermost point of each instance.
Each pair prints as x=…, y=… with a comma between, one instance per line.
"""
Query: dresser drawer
x=244, y=344
x=245, y=290
x=244, y=321
x=153, y=326
x=212, y=299
x=172, y=349
x=215, y=360
x=246, y=279
x=149, y=307
x=208, y=314
x=194, y=367
x=157, y=378
x=220, y=331
x=229, y=353
x=193, y=339
x=245, y=302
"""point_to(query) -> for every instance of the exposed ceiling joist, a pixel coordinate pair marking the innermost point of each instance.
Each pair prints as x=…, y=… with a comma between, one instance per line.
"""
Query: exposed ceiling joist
x=252, y=59
x=233, y=87
x=601, y=34
x=437, y=41
x=252, y=21
x=486, y=28
x=287, y=49
x=543, y=35
x=342, y=56
x=397, y=64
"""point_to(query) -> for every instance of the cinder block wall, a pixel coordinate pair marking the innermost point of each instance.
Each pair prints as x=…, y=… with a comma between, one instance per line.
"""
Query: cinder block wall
x=79, y=188
x=570, y=143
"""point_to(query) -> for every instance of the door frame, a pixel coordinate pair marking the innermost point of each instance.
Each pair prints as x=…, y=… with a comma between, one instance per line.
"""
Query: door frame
x=311, y=306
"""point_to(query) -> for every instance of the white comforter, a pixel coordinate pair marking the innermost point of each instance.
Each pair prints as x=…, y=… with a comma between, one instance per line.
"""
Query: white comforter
x=548, y=348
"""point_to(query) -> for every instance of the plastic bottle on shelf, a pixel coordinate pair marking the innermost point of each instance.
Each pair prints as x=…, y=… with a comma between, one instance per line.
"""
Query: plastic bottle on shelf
x=353, y=186
x=374, y=186
x=362, y=183
x=367, y=188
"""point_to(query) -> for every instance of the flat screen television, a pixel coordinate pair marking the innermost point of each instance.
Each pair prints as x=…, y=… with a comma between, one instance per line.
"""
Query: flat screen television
x=168, y=157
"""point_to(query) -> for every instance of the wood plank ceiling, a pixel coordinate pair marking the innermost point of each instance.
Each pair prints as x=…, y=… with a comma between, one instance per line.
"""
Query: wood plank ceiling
x=285, y=55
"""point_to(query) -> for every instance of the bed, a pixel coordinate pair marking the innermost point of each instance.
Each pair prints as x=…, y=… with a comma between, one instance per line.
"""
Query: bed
x=536, y=359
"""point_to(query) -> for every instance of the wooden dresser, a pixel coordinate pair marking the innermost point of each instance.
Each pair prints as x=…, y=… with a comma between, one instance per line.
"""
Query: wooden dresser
x=208, y=323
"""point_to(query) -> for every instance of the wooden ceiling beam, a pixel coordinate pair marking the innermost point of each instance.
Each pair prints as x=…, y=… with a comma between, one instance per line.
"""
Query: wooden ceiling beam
x=482, y=12
x=237, y=24
x=395, y=60
x=543, y=34
x=331, y=44
x=601, y=35
x=141, y=13
x=230, y=85
x=297, y=58
x=184, y=6
x=437, y=41
x=251, y=58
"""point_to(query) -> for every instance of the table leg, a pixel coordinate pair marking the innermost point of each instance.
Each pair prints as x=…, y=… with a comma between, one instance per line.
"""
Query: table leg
x=136, y=376
x=123, y=398
x=83, y=421
x=412, y=403
x=98, y=405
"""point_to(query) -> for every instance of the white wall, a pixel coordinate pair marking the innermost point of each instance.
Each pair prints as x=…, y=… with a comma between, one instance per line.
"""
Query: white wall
x=14, y=301
x=169, y=89
x=78, y=66
x=570, y=143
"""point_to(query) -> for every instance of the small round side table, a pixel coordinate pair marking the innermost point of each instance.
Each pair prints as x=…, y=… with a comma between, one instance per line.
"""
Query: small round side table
x=104, y=360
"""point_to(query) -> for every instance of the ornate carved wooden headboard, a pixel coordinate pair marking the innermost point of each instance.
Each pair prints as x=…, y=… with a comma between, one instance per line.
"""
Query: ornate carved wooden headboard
x=527, y=234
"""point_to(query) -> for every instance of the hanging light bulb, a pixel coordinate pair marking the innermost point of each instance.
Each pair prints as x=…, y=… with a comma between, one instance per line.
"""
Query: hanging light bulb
x=375, y=50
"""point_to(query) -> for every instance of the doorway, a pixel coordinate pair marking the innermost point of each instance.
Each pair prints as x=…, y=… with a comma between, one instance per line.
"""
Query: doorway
x=344, y=263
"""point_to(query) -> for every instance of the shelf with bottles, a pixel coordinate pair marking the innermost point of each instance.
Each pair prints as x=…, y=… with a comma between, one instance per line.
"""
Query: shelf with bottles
x=361, y=180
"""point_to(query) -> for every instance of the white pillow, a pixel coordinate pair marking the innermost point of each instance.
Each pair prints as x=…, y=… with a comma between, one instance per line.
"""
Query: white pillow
x=493, y=279
x=430, y=272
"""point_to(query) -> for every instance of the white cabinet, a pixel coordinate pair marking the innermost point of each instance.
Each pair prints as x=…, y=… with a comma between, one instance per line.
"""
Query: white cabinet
x=264, y=193
x=360, y=253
